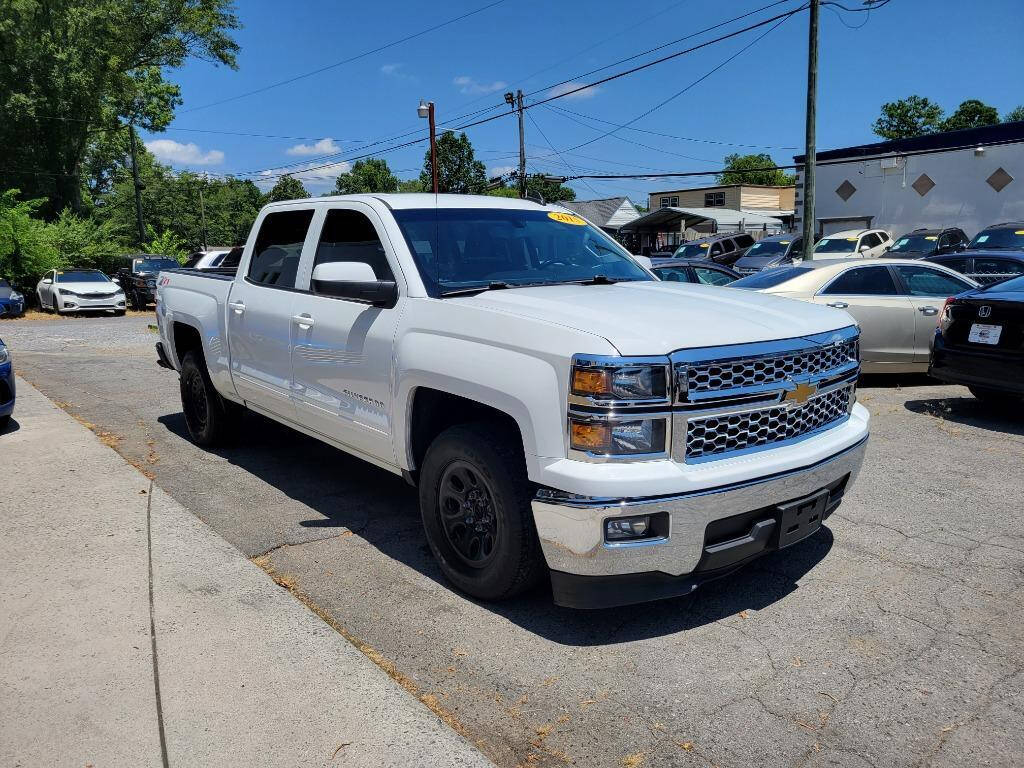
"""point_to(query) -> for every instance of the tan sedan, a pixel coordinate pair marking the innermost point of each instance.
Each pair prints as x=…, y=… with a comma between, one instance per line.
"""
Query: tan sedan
x=896, y=302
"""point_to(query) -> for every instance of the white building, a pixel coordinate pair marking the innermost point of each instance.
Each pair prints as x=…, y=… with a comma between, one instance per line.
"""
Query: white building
x=968, y=179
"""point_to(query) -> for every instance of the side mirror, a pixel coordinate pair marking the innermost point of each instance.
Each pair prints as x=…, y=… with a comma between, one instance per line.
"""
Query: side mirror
x=47, y=281
x=864, y=248
x=115, y=280
x=354, y=280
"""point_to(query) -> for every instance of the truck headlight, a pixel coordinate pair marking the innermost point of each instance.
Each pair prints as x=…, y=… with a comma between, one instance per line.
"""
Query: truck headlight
x=602, y=379
x=618, y=436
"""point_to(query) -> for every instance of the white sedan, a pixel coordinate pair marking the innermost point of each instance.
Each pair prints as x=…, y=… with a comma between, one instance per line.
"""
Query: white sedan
x=853, y=243
x=896, y=302
x=79, y=290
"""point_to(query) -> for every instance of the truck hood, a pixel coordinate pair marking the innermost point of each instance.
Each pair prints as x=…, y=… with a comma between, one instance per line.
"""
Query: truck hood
x=654, y=318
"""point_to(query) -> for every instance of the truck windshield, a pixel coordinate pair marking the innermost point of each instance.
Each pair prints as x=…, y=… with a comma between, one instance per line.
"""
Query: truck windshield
x=155, y=265
x=459, y=249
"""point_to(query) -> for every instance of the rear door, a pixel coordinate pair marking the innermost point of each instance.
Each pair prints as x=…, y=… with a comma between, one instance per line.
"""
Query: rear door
x=877, y=303
x=927, y=288
x=341, y=348
x=259, y=313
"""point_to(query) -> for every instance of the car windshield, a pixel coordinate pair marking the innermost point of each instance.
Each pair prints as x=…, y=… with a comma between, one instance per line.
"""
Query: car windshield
x=155, y=265
x=692, y=251
x=768, y=248
x=836, y=245
x=81, y=276
x=464, y=249
x=1010, y=237
x=915, y=244
x=769, y=279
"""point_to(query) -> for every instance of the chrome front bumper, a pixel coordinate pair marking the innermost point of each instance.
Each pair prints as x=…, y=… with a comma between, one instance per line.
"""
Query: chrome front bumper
x=571, y=528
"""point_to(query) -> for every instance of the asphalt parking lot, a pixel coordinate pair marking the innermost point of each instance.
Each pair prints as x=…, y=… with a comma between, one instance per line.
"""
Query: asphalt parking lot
x=892, y=638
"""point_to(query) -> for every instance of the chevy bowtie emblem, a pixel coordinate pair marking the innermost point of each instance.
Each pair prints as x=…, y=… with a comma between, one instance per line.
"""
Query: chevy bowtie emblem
x=800, y=394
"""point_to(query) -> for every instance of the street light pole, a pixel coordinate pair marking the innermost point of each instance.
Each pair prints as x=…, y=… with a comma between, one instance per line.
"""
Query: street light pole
x=810, y=154
x=426, y=109
x=522, y=146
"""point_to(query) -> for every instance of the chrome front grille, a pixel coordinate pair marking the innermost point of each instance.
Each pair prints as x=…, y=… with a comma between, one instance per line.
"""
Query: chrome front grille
x=756, y=371
x=728, y=432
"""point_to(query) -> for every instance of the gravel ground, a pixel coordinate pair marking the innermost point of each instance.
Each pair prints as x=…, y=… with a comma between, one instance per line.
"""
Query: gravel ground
x=892, y=638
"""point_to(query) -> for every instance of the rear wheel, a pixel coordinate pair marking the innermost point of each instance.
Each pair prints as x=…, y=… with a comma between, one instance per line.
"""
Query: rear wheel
x=995, y=396
x=209, y=418
x=475, y=504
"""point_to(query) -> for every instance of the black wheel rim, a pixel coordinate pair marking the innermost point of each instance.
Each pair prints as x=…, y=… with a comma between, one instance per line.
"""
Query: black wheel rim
x=197, y=407
x=468, y=514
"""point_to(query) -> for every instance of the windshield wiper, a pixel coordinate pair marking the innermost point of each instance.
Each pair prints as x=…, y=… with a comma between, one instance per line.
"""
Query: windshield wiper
x=598, y=280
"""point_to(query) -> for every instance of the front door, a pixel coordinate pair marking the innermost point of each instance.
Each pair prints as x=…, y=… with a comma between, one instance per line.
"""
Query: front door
x=928, y=289
x=259, y=313
x=885, y=315
x=341, y=348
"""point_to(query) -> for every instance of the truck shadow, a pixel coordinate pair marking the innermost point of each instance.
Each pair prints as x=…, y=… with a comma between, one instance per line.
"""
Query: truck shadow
x=971, y=412
x=383, y=510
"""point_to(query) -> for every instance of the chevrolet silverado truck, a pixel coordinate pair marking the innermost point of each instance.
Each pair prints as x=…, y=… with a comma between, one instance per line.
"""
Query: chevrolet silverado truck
x=561, y=411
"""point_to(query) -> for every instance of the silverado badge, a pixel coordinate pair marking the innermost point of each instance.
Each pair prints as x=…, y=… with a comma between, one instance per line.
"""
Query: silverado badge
x=800, y=394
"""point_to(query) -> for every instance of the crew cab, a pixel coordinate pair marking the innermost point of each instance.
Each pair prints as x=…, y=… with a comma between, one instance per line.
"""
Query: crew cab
x=561, y=411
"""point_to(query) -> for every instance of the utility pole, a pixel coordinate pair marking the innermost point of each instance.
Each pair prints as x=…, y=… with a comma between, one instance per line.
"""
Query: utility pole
x=810, y=154
x=138, y=188
x=522, y=146
x=202, y=216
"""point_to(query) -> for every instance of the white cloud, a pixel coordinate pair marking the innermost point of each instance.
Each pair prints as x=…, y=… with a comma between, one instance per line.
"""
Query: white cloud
x=468, y=85
x=170, y=151
x=322, y=147
x=390, y=69
x=500, y=170
x=316, y=177
x=397, y=72
x=586, y=93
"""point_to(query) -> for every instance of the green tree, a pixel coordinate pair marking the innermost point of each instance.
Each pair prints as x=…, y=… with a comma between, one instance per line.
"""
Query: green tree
x=287, y=188
x=25, y=250
x=971, y=114
x=753, y=165
x=85, y=242
x=370, y=175
x=909, y=117
x=1014, y=115
x=167, y=244
x=458, y=170
x=411, y=185
x=74, y=68
x=551, y=191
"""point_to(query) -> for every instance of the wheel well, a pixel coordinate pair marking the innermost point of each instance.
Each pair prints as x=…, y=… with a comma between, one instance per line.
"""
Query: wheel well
x=434, y=411
x=186, y=339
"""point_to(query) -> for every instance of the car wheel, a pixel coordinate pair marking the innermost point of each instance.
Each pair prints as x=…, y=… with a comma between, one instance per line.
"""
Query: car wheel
x=118, y=313
x=995, y=396
x=209, y=418
x=4, y=423
x=475, y=504
x=56, y=308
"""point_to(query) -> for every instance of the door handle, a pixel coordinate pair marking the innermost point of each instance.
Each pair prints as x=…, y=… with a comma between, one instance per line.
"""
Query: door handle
x=928, y=311
x=303, y=321
x=838, y=304
x=238, y=306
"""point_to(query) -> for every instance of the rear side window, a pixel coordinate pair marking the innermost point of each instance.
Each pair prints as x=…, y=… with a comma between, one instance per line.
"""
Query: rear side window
x=923, y=281
x=863, y=281
x=351, y=236
x=275, y=256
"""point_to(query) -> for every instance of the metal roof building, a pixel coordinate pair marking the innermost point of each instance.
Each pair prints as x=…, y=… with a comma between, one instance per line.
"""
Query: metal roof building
x=664, y=225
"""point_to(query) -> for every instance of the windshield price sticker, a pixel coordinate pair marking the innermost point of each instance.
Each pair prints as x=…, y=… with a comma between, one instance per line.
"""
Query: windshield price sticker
x=931, y=237
x=566, y=218
x=1019, y=232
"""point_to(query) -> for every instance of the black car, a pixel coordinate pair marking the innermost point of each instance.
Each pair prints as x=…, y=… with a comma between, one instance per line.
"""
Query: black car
x=984, y=267
x=1008, y=236
x=979, y=342
x=137, y=277
x=772, y=251
x=693, y=271
x=922, y=243
x=723, y=249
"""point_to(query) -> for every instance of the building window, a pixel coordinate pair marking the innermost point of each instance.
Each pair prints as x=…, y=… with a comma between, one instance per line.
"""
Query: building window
x=664, y=202
x=714, y=199
x=675, y=202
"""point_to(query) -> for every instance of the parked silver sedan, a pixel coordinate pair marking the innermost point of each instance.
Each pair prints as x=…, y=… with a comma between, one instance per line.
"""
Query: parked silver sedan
x=896, y=302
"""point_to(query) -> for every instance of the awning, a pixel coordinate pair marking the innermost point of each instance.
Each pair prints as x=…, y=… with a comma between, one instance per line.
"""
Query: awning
x=674, y=219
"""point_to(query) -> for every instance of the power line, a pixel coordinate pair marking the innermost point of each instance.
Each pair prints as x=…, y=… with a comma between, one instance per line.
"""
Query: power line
x=349, y=60
x=564, y=161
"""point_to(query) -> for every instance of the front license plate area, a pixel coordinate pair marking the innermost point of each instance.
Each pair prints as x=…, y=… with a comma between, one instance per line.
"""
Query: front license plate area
x=985, y=334
x=799, y=519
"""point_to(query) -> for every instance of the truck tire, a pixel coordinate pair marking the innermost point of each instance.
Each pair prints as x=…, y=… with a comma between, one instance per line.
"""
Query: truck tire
x=475, y=503
x=209, y=418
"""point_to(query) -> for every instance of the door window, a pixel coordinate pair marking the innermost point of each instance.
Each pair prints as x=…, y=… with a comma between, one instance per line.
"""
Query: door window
x=925, y=281
x=997, y=267
x=275, y=256
x=958, y=265
x=863, y=281
x=712, y=276
x=716, y=249
x=744, y=241
x=871, y=240
x=350, y=236
x=672, y=274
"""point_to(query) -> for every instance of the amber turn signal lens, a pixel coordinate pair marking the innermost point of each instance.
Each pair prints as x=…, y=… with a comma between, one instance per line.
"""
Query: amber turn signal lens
x=590, y=437
x=586, y=382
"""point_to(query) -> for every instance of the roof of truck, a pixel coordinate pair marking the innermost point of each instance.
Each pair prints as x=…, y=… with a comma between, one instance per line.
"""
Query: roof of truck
x=426, y=200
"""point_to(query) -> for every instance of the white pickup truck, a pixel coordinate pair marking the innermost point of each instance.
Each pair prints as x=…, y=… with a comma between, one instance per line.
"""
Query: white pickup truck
x=560, y=410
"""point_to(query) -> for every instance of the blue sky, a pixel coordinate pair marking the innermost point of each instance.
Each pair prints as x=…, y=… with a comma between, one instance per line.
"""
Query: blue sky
x=948, y=50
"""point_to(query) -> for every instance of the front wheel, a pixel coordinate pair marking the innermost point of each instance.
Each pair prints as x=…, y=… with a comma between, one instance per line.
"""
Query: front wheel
x=56, y=307
x=209, y=419
x=118, y=313
x=475, y=503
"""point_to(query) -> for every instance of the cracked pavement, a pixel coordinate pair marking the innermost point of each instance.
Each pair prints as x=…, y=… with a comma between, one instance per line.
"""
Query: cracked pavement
x=891, y=638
